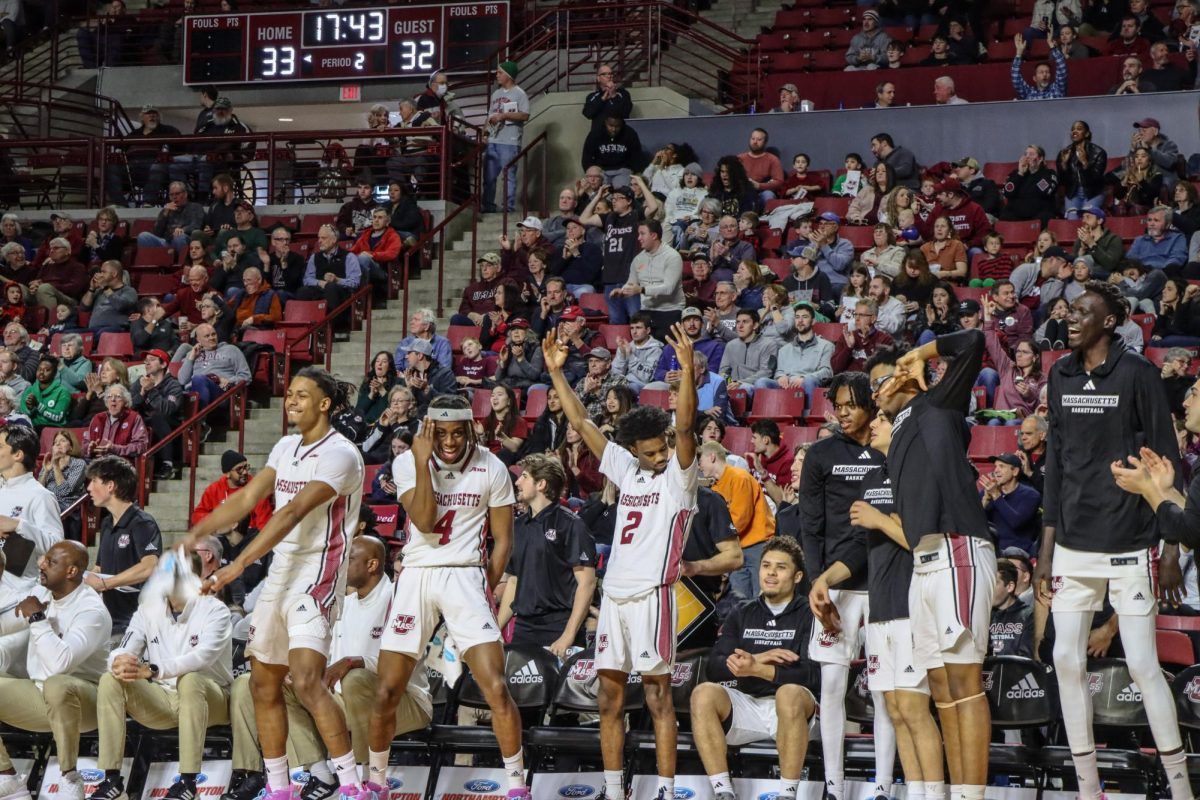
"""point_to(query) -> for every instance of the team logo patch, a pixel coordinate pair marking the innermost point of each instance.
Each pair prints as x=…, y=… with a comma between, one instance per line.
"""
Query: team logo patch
x=1056, y=584
x=987, y=680
x=602, y=643
x=377, y=632
x=123, y=540
x=1095, y=683
x=583, y=670
x=194, y=639
x=872, y=665
x=681, y=674
x=828, y=638
x=403, y=623
x=551, y=535
x=1192, y=690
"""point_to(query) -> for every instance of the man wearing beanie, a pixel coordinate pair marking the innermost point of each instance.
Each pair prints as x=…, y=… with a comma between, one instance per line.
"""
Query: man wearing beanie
x=507, y=112
x=237, y=474
x=868, y=48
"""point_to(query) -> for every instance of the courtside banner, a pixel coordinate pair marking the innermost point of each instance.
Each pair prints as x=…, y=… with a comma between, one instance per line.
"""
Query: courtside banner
x=92, y=776
x=692, y=606
x=697, y=787
x=471, y=783
x=567, y=785
x=1071, y=795
x=212, y=782
x=406, y=782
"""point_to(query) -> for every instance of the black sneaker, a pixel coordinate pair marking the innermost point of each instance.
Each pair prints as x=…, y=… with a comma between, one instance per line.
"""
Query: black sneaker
x=246, y=787
x=109, y=790
x=182, y=790
x=317, y=789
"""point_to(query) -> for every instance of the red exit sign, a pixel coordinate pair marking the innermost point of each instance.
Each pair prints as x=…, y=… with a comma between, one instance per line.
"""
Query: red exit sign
x=350, y=93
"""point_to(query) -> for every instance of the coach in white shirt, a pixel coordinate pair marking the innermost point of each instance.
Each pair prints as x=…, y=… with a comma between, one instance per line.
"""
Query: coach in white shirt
x=68, y=630
x=26, y=507
x=353, y=661
x=13, y=646
x=172, y=669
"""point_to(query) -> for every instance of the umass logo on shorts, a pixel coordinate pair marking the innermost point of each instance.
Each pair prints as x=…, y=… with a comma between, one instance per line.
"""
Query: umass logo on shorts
x=828, y=638
x=403, y=623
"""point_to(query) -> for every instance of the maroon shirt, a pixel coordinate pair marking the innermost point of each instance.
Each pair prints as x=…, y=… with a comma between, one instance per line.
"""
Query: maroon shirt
x=479, y=297
x=70, y=277
x=969, y=220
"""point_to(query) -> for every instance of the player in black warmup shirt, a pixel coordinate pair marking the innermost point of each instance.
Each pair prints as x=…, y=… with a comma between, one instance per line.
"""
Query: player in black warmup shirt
x=1105, y=404
x=831, y=480
x=954, y=558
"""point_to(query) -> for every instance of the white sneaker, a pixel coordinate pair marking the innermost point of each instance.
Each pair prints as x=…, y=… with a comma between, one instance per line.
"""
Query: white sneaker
x=70, y=787
x=13, y=787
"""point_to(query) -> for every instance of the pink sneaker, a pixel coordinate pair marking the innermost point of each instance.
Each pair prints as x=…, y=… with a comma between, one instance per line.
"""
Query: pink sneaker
x=363, y=792
x=379, y=792
x=281, y=794
x=519, y=794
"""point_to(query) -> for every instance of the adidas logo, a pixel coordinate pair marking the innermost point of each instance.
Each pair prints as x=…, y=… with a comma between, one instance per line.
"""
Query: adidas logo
x=644, y=654
x=1027, y=689
x=527, y=674
x=1089, y=386
x=1130, y=694
x=770, y=623
x=909, y=670
x=487, y=626
x=302, y=607
x=864, y=456
x=949, y=632
x=1139, y=596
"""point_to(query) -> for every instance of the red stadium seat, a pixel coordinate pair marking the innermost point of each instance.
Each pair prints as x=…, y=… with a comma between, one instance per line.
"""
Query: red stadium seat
x=792, y=436
x=117, y=345
x=1065, y=230
x=1050, y=356
x=157, y=284
x=659, y=398
x=831, y=331
x=861, y=236
x=739, y=402
x=481, y=403
x=610, y=334
x=975, y=293
x=593, y=301
x=737, y=440
x=88, y=337
x=535, y=405
x=998, y=171
x=781, y=405
x=1128, y=228
x=1146, y=323
x=818, y=407
x=827, y=60
x=1174, y=648
x=838, y=205
x=1023, y=232
x=989, y=440
x=782, y=267
x=386, y=518
x=154, y=257
x=457, y=333
x=789, y=62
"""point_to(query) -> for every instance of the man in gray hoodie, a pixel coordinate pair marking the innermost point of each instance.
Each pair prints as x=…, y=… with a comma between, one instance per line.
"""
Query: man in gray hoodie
x=868, y=48
x=637, y=359
x=804, y=361
x=656, y=274
x=749, y=360
x=109, y=299
x=211, y=366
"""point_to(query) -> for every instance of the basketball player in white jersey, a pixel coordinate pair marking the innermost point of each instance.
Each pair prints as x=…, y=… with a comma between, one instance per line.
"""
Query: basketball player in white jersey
x=455, y=493
x=636, y=629
x=316, y=477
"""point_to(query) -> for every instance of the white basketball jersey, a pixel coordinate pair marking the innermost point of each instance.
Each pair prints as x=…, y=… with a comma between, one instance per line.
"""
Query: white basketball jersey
x=459, y=537
x=315, y=551
x=654, y=516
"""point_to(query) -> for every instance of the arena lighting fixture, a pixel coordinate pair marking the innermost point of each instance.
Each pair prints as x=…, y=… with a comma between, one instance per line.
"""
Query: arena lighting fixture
x=286, y=119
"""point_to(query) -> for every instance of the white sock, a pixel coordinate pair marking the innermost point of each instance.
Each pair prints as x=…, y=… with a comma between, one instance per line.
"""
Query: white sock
x=883, y=788
x=788, y=789
x=666, y=787
x=956, y=791
x=916, y=790
x=971, y=791
x=377, y=764
x=320, y=771
x=614, y=784
x=721, y=783
x=347, y=770
x=935, y=790
x=1177, y=775
x=277, y=773
x=1088, y=775
x=514, y=769
x=835, y=784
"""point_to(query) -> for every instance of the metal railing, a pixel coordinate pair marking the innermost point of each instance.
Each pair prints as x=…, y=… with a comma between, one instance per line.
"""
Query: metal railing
x=521, y=164
x=432, y=242
x=188, y=432
x=314, y=343
x=89, y=518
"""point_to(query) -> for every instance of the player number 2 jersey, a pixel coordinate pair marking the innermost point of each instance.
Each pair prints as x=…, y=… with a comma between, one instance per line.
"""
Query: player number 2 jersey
x=459, y=537
x=316, y=549
x=654, y=516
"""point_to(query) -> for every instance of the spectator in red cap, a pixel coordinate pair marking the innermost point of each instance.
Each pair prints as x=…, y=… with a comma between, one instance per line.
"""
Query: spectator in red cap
x=158, y=396
x=969, y=220
x=478, y=298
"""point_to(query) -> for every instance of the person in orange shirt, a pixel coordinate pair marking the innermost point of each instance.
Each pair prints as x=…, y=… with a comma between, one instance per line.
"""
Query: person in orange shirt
x=752, y=517
x=257, y=305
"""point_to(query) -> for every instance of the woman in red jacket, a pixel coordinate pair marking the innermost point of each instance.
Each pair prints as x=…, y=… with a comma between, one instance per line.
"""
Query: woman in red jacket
x=118, y=430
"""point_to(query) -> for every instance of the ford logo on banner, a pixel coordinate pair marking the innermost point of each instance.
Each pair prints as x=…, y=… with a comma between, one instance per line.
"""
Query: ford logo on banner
x=769, y=796
x=200, y=778
x=394, y=783
x=481, y=786
x=91, y=775
x=576, y=790
x=683, y=793
x=298, y=775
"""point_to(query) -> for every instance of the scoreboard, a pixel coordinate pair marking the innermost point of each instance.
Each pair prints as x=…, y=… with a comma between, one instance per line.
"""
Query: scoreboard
x=339, y=44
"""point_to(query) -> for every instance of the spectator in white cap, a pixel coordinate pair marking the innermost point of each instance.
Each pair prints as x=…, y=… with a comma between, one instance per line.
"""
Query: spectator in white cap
x=478, y=298
x=514, y=256
x=868, y=48
x=789, y=99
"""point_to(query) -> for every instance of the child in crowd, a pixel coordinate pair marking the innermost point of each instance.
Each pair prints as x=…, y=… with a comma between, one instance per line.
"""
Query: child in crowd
x=799, y=185
x=993, y=264
x=471, y=369
x=849, y=182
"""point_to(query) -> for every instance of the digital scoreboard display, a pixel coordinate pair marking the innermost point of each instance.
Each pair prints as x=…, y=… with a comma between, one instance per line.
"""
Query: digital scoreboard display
x=338, y=44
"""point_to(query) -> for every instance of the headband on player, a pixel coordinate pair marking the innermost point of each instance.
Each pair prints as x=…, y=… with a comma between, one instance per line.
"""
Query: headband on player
x=451, y=415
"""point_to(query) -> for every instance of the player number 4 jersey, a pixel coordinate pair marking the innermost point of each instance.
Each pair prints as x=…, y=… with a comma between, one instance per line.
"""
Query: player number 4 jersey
x=654, y=516
x=459, y=537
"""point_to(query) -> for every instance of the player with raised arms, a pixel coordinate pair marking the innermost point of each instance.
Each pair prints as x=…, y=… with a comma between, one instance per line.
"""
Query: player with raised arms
x=316, y=476
x=636, y=628
x=456, y=494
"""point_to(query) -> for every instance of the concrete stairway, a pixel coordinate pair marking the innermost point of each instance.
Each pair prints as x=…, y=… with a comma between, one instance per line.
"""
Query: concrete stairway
x=745, y=19
x=169, y=502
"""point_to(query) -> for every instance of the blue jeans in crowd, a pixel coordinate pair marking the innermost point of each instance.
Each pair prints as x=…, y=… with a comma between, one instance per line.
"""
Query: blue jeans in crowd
x=208, y=389
x=744, y=580
x=495, y=159
x=1079, y=201
x=621, y=309
x=179, y=243
x=989, y=379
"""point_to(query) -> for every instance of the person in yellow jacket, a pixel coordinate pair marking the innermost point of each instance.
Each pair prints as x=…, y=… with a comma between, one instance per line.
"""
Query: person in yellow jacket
x=748, y=508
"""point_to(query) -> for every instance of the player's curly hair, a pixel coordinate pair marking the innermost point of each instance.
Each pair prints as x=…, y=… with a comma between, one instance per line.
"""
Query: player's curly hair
x=449, y=401
x=642, y=423
x=786, y=544
x=330, y=386
x=1114, y=301
x=886, y=356
x=859, y=385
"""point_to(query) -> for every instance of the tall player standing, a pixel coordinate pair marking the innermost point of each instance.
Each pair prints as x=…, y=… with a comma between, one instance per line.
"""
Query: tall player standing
x=636, y=629
x=1104, y=403
x=455, y=493
x=954, y=559
x=316, y=476
x=831, y=481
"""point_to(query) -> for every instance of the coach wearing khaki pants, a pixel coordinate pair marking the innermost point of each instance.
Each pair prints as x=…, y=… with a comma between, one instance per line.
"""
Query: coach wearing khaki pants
x=172, y=670
x=68, y=630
